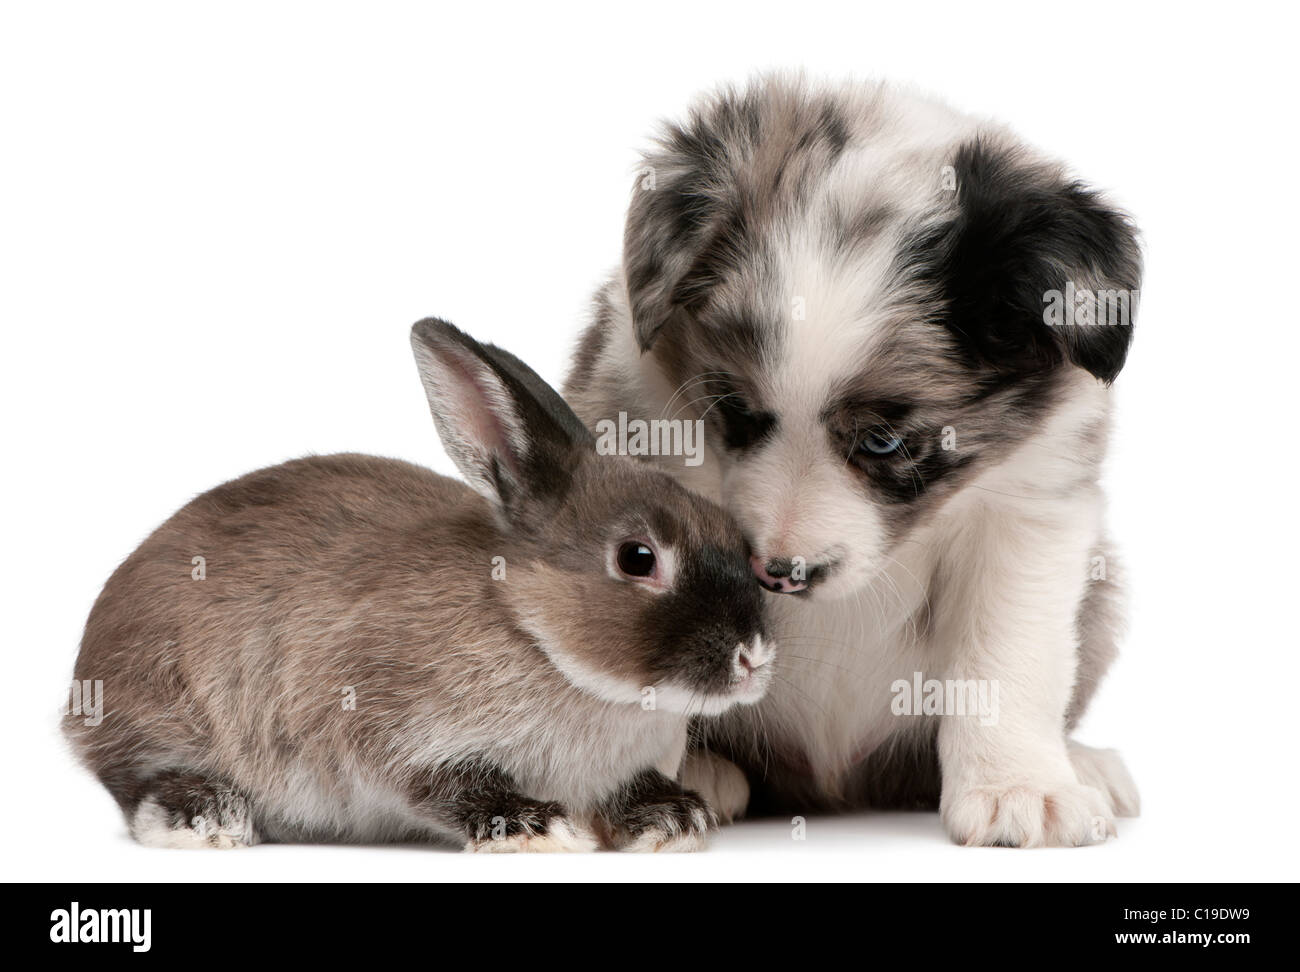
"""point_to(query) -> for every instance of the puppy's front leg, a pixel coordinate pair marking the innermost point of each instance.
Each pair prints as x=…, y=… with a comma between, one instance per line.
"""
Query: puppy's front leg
x=1007, y=619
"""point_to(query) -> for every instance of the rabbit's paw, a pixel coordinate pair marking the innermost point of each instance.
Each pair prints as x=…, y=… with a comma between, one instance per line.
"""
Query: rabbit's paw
x=530, y=828
x=669, y=823
x=189, y=810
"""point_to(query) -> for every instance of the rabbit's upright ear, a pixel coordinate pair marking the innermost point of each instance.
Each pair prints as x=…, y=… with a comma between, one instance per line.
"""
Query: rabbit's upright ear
x=510, y=433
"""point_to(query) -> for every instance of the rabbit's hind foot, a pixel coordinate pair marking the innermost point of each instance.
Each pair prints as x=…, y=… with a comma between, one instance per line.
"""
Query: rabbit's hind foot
x=183, y=809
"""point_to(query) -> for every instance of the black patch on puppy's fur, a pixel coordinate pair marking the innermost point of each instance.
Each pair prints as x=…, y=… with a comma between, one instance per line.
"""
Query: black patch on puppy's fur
x=1018, y=233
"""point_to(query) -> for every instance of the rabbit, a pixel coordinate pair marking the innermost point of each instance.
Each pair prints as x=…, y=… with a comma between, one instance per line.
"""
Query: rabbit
x=348, y=648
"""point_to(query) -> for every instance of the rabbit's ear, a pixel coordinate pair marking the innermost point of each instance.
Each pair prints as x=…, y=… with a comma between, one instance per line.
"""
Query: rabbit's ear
x=510, y=433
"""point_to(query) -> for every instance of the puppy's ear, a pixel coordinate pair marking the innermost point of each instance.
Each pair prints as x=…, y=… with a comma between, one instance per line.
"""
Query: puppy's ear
x=680, y=227
x=507, y=430
x=1021, y=242
x=701, y=192
x=666, y=223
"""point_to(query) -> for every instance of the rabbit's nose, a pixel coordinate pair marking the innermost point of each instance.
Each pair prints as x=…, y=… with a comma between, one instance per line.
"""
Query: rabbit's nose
x=754, y=655
x=779, y=575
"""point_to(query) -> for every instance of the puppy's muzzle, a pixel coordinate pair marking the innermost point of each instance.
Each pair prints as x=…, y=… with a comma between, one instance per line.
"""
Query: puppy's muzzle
x=786, y=575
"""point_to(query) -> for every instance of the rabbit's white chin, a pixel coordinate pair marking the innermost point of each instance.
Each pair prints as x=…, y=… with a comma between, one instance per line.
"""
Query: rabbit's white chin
x=745, y=691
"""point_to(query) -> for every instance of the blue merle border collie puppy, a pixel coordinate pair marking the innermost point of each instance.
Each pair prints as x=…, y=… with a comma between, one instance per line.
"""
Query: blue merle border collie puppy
x=900, y=325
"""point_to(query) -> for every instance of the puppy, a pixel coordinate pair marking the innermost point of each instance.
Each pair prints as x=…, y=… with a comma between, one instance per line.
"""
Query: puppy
x=898, y=326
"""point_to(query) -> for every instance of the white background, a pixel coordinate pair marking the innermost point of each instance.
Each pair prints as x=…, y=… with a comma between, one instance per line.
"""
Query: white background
x=219, y=221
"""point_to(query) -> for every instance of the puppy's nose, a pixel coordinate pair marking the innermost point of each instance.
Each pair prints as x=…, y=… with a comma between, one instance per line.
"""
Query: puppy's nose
x=778, y=573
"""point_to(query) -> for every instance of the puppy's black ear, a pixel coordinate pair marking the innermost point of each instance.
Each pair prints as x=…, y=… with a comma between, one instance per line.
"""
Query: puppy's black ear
x=1033, y=270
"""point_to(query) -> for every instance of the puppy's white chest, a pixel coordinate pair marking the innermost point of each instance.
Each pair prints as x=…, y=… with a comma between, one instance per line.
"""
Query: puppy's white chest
x=837, y=661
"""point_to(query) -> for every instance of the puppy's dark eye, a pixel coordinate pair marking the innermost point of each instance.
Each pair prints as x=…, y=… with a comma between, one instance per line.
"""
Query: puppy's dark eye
x=635, y=559
x=880, y=442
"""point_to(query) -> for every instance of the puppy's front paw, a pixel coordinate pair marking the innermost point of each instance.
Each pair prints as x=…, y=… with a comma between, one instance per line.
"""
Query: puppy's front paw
x=537, y=828
x=720, y=782
x=1027, y=815
x=1103, y=769
x=669, y=823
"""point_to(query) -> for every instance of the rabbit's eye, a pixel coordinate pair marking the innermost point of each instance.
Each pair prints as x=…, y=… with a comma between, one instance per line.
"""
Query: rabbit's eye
x=636, y=559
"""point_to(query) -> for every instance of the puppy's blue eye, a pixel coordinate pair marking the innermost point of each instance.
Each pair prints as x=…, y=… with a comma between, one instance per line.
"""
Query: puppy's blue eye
x=879, y=442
